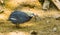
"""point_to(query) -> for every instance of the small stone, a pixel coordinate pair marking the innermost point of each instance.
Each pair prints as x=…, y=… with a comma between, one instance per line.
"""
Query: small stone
x=54, y=29
x=33, y=32
x=2, y=2
x=56, y=16
x=48, y=21
x=1, y=11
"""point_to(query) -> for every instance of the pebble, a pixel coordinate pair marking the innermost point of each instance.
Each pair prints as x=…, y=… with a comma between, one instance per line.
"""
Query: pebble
x=54, y=29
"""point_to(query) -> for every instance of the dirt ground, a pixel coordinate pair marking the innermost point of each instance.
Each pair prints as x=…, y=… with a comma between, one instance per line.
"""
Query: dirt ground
x=43, y=24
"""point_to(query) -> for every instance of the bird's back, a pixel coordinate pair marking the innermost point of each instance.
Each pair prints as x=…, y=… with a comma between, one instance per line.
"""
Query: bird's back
x=19, y=17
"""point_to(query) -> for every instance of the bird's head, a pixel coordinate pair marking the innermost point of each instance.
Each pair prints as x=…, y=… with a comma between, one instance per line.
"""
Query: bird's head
x=30, y=14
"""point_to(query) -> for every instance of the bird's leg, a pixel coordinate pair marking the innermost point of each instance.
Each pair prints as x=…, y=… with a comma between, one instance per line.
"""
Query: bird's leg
x=36, y=17
x=17, y=25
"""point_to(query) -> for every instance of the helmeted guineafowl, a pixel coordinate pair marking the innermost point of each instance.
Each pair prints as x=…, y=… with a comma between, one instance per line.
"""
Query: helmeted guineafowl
x=19, y=17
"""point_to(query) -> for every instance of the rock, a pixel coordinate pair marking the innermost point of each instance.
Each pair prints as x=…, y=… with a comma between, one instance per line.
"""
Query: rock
x=54, y=29
x=56, y=16
x=2, y=2
x=1, y=11
x=46, y=4
x=33, y=32
x=48, y=21
x=56, y=3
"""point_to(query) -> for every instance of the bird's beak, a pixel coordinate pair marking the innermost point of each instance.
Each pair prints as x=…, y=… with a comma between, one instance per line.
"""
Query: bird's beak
x=35, y=15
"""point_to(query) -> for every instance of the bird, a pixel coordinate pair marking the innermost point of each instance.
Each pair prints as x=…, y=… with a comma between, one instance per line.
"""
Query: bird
x=20, y=17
